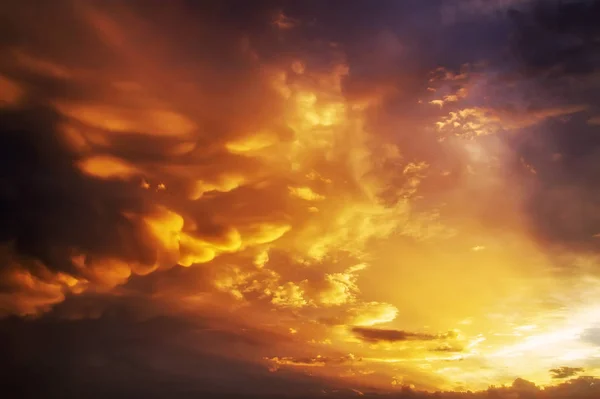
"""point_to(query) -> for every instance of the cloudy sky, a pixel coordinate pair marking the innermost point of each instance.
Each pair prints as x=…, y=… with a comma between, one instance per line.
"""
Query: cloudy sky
x=332, y=197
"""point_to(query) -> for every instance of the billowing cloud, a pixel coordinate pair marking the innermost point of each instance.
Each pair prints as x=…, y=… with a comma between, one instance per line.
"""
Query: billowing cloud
x=286, y=186
x=98, y=155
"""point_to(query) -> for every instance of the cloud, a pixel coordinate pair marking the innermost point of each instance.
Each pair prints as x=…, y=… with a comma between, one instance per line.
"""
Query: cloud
x=154, y=357
x=448, y=349
x=25, y=293
x=556, y=38
x=277, y=173
x=566, y=372
x=289, y=295
x=11, y=92
x=364, y=314
x=388, y=335
x=468, y=9
x=160, y=357
x=100, y=135
x=318, y=361
x=283, y=22
x=473, y=122
x=538, y=92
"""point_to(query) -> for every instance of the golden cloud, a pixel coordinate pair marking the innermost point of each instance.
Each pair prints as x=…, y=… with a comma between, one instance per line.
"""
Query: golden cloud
x=228, y=178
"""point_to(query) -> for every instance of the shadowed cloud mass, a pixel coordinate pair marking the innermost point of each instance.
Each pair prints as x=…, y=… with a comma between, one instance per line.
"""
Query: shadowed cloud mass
x=377, y=334
x=317, y=198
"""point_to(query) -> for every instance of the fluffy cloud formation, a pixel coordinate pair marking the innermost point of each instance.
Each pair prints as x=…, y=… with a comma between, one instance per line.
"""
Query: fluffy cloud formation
x=120, y=175
x=319, y=195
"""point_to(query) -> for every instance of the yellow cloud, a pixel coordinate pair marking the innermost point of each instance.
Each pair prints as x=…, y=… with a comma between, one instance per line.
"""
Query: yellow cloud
x=251, y=143
x=120, y=120
x=108, y=167
x=305, y=193
x=280, y=229
x=288, y=295
x=371, y=313
x=223, y=185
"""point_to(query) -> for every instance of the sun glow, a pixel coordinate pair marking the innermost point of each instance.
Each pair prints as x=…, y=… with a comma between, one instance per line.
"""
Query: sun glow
x=369, y=211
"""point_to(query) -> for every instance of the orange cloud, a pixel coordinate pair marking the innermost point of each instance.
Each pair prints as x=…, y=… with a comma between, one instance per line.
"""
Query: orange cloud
x=107, y=167
x=472, y=122
x=30, y=293
x=10, y=92
x=226, y=178
x=119, y=120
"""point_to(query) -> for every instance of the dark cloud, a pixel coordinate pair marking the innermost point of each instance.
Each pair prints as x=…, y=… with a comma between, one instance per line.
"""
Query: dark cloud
x=560, y=200
x=552, y=63
x=388, y=335
x=558, y=38
x=118, y=356
x=88, y=124
x=116, y=129
x=566, y=372
x=319, y=361
x=52, y=213
x=159, y=357
x=49, y=208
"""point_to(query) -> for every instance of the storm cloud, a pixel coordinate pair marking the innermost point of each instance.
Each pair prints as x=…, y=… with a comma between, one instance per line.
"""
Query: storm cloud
x=313, y=198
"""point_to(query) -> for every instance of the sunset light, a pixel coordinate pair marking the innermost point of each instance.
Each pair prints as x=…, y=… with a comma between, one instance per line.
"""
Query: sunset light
x=300, y=198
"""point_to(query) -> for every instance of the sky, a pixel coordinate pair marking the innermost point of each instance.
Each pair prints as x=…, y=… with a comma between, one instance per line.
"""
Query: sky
x=321, y=198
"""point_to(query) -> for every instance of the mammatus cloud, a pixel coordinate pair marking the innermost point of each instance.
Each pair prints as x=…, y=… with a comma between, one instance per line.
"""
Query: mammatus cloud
x=289, y=194
x=148, y=178
x=154, y=348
